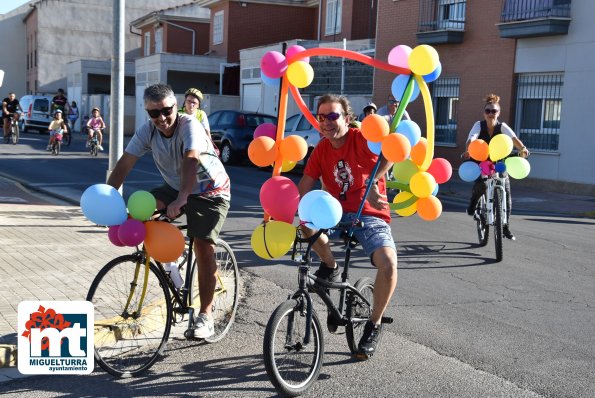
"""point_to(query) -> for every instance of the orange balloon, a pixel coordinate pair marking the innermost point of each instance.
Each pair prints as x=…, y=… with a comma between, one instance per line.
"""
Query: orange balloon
x=293, y=148
x=396, y=147
x=429, y=208
x=164, y=242
x=375, y=128
x=418, y=151
x=262, y=151
x=479, y=150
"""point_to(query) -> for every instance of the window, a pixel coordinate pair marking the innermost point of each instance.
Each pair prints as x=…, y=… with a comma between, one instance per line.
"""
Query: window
x=539, y=108
x=218, y=27
x=334, y=12
x=451, y=14
x=445, y=98
x=147, y=49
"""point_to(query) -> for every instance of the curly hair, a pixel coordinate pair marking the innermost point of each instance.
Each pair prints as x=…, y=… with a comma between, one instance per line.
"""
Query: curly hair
x=492, y=99
x=333, y=98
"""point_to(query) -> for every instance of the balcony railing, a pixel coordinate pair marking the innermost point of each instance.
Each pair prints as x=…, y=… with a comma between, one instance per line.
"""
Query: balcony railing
x=534, y=18
x=441, y=21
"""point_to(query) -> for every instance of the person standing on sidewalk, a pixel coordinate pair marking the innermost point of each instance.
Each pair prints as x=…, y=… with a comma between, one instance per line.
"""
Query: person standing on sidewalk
x=194, y=179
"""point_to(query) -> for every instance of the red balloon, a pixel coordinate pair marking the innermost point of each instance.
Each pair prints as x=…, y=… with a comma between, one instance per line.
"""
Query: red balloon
x=441, y=169
x=280, y=198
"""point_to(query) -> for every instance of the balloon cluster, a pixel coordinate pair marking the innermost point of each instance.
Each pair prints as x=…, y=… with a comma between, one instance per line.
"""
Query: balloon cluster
x=490, y=160
x=130, y=225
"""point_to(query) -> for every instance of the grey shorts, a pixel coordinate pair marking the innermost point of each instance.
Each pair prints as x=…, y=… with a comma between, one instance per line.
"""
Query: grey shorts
x=205, y=215
x=375, y=233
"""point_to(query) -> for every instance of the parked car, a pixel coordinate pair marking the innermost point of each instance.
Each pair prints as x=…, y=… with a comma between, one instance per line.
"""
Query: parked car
x=37, y=113
x=233, y=131
x=299, y=125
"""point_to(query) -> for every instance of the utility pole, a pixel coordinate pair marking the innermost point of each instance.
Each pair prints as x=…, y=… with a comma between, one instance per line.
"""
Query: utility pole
x=116, y=141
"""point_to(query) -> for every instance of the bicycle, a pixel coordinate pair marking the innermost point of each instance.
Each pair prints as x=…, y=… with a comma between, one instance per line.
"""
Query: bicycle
x=93, y=144
x=136, y=303
x=293, y=342
x=56, y=145
x=13, y=133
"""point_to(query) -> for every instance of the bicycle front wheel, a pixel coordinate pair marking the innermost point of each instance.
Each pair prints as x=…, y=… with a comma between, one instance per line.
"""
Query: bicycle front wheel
x=498, y=225
x=15, y=134
x=358, y=312
x=483, y=229
x=132, y=315
x=291, y=365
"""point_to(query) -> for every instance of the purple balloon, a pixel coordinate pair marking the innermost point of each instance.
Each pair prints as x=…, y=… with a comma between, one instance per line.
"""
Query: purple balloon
x=294, y=50
x=273, y=64
x=112, y=234
x=267, y=130
x=132, y=232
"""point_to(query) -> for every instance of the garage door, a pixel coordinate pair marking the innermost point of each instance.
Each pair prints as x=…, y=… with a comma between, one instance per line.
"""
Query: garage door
x=251, y=97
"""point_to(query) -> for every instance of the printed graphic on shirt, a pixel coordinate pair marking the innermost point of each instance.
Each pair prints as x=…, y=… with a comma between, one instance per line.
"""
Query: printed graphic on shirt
x=343, y=177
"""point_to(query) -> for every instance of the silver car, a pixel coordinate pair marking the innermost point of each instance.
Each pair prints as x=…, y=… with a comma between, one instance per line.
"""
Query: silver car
x=299, y=125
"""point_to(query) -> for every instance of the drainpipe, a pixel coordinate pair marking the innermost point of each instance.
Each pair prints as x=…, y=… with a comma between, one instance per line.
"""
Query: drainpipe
x=184, y=28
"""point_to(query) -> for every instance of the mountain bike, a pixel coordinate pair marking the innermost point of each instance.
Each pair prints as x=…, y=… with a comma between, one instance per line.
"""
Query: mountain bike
x=293, y=341
x=491, y=210
x=93, y=144
x=136, y=303
x=13, y=133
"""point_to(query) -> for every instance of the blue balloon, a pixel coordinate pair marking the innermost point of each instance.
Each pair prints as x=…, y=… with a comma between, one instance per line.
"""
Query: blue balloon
x=375, y=147
x=102, y=204
x=326, y=212
x=411, y=130
x=400, y=84
x=435, y=190
x=430, y=77
x=500, y=167
x=269, y=81
x=469, y=171
x=306, y=203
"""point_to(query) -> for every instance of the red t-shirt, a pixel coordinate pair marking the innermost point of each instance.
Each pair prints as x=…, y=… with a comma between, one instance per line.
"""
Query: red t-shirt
x=344, y=172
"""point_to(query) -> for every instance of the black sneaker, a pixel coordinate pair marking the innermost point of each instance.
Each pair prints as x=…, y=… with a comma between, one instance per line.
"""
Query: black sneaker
x=329, y=274
x=470, y=210
x=507, y=234
x=369, y=341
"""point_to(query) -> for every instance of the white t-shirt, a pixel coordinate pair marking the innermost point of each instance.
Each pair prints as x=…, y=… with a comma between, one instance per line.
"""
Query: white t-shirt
x=476, y=129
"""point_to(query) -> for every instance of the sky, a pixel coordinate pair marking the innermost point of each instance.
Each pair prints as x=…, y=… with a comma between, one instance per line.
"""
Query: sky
x=9, y=5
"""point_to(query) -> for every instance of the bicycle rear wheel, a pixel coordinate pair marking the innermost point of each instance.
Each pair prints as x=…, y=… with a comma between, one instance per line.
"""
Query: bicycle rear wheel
x=292, y=366
x=130, y=330
x=498, y=225
x=483, y=229
x=66, y=139
x=358, y=308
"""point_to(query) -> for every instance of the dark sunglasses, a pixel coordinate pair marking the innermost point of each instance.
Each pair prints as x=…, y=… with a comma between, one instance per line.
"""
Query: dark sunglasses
x=321, y=117
x=492, y=111
x=394, y=102
x=154, y=113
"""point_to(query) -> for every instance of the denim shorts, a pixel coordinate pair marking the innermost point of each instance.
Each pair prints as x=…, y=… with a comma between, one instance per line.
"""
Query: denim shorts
x=374, y=234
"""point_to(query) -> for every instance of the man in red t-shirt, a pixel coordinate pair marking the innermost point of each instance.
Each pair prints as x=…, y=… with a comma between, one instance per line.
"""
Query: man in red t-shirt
x=344, y=162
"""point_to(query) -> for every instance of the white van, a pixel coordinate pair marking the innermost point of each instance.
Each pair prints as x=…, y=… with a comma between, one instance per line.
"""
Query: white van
x=37, y=114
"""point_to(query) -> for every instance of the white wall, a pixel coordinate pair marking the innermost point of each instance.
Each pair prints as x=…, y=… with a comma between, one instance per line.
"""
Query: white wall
x=14, y=47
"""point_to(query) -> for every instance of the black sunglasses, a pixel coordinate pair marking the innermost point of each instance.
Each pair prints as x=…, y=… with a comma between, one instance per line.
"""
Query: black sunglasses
x=492, y=111
x=394, y=102
x=332, y=116
x=154, y=113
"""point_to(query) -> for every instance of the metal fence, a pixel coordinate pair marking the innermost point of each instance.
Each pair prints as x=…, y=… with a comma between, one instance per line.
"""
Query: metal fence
x=441, y=15
x=518, y=10
x=445, y=98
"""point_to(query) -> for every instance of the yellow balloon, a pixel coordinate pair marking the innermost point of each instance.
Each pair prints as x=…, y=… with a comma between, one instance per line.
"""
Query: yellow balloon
x=401, y=197
x=272, y=239
x=422, y=184
x=500, y=147
x=423, y=60
x=287, y=165
x=300, y=74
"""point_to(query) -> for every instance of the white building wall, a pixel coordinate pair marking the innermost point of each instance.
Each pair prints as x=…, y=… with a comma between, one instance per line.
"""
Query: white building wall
x=14, y=42
x=573, y=54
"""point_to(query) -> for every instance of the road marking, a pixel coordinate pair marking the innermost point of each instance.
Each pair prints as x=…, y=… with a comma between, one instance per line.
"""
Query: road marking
x=12, y=199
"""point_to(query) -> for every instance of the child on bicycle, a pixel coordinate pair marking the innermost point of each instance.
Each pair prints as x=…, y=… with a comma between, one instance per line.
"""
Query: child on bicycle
x=94, y=126
x=57, y=128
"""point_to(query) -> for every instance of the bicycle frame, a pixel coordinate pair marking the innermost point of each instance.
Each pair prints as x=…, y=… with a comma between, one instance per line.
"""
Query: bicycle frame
x=495, y=183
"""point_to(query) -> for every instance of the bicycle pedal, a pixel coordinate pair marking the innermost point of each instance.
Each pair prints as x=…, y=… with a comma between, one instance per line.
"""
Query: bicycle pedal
x=386, y=319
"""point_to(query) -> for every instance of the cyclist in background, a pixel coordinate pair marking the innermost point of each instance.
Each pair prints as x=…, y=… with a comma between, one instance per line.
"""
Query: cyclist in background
x=95, y=124
x=10, y=105
x=192, y=101
x=486, y=130
x=60, y=101
x=57, y=128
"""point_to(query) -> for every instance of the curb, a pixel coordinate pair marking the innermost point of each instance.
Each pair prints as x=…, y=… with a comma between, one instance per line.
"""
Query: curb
x=8, y=355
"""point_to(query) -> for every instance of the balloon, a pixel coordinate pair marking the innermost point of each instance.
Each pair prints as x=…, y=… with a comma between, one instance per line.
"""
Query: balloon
x=517, y=167
x=422, y=184
x=423, y=60
x=294, y=148
x=402, y=199
x=500, y=167
x=478, y=150
x=403, y=171
x=399, y=85
x=273, y=64
x=272, y=239
x=266, y=130
x=375, y=128
x=102, y=204
x=306, y=204
x=132, y=232
x=269, y=81
x=262, y=151
x=441, y=169
x=469, y=171
x=429, y=208
x=326, y=212
x=112, y=234
x=279, y=197
x=292, y=50
x=287, y=165
x=399, y=56
x=163, y=241
x=141, y=205
x=500, y=147
x=300, y=74
x=487, y=168
x=396, y=147
x=430, y=77
x=418, y=152
x=411, y=130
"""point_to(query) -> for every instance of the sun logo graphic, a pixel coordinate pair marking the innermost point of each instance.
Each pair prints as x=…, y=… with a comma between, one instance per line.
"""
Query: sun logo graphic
x=55, y=337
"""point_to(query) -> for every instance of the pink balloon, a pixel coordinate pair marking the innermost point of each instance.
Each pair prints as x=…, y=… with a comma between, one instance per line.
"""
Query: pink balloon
x=267, y=130
x=273, y=64
x=399, y=56
x=294, y=50
x=132, y=232
x=280, y=198
x=112, y=234
x=487, y=168
x=441, y=169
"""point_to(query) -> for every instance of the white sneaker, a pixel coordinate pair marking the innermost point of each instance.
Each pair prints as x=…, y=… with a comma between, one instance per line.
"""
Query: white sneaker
x=100, y=147
x=203, y=326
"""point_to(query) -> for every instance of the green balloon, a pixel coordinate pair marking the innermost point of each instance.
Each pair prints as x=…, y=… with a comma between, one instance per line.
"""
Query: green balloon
x=141, y=205
x=517, y=167
x=403, y=171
